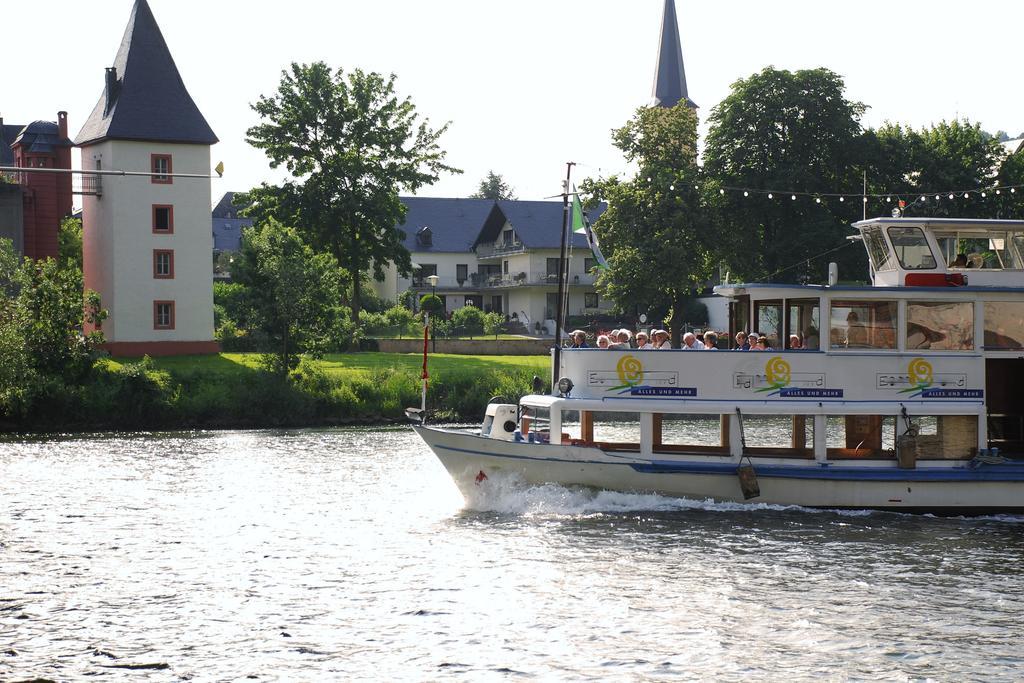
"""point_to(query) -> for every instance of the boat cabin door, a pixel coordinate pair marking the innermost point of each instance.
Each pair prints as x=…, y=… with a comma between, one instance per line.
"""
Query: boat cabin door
x=1004, y=378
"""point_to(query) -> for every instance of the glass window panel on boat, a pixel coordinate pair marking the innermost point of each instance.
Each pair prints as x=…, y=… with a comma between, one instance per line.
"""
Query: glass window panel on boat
x=878, y=250
x=781, y=435
x=693, y=433
x=802, y=319
x=611, y=430
x=535, y=422
x=768, y=321
x=1004, y=325
x=944, y=437
x=940, y=325
x=863, y=325
x=912, y=248
x=861, y=436
x=990, y=250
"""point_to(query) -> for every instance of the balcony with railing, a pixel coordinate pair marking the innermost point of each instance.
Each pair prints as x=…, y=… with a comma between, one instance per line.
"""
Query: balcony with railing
x=534, y=280
x=499, y=250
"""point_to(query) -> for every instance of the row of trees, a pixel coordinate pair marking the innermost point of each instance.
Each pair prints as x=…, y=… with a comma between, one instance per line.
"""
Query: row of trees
x=672, y=227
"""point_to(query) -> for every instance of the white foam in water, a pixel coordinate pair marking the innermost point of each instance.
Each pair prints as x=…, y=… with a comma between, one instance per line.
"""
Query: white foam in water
x=509, y=493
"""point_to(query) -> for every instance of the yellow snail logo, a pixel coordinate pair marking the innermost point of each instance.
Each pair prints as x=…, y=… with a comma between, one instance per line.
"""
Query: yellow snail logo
x=777, y=373
x=631, y=371
x=920, y=375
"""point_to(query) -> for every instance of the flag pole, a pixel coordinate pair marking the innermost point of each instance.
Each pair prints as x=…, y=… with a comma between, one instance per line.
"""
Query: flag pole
x=562, y=276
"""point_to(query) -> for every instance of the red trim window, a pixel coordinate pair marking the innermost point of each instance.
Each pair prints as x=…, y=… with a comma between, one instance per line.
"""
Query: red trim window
x=163, y=315
x=163, y=264
x=161, y=168
x=163, y=219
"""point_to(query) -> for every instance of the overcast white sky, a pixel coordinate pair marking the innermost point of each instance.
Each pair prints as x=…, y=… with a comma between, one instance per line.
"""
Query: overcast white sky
x=528, y=84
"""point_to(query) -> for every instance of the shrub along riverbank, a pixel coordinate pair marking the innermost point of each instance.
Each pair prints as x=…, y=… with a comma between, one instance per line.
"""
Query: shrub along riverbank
x=231, y=390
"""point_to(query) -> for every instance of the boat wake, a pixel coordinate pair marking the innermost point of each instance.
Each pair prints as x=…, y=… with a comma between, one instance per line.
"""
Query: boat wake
x=509, y=494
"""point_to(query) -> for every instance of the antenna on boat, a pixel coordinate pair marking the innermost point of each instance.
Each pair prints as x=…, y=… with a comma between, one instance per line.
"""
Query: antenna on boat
x=562, y=276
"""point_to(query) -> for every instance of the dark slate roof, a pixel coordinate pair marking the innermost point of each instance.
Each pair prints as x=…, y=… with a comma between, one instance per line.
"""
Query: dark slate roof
x=538, y=224
x=454, y=223
x=225, y=208
x=149, y=101
x=41, y=137
x=669, y=75
x=8, y=133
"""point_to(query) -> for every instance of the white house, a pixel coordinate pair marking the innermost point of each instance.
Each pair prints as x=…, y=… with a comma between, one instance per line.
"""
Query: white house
x=501, y=256
x=146, y=240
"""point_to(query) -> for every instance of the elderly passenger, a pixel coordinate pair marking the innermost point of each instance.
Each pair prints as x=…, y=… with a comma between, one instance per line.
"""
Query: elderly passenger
x=602, y=342
x=661, y=341
x=710, y=341
x=641, y=341
x=741, y=341
x=691, y=343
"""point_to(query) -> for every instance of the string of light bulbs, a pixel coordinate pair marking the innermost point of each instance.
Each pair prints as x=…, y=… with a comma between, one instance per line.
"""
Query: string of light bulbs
x=889, y=197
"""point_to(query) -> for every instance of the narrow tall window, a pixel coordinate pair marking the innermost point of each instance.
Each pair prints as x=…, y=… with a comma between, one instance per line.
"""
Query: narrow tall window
x=160, y=167
x=163, y=218
x=163, y=315
x=163, y=264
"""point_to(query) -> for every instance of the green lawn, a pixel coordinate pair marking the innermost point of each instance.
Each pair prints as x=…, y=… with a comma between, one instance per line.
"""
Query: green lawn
x=340, y=363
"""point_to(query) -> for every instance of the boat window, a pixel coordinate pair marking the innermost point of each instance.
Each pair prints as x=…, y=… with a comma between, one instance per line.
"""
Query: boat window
x=940, y=325
x=534, y=423
x=692, y=433
x=768, y=321
x=609, y=430
x=781, y=435
x=860, y=436
x=1004, y=325
x=944, y=437
x=802, y=319
x=988, y=250
x=912, y=248
x=863, y=325
x=878, y=250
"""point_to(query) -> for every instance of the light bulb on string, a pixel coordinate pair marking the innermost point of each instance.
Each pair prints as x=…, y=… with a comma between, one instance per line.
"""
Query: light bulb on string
x=793, y=197
x=817, y=200
x=965, y=196
x=771, y=196
x=721, y=192
x=745, y=193
x=983, y=195
x=936, y=197
x=888, y=200
x=695, y=187
x=864, y=199
x=999, y=191
x=648, y=180
x=842, y=199
x=671, y=187
x=1013, y=190
x=923, y=198
x=950, y=195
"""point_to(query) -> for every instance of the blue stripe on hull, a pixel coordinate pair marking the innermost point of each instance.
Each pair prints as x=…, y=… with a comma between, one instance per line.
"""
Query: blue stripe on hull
x=1007, y=473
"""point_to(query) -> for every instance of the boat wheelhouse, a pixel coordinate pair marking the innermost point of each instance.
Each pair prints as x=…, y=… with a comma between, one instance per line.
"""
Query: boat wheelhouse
x=902, y=394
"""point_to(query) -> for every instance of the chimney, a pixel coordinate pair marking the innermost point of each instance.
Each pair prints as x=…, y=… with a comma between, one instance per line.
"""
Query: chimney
x=62, y=125
x=111, y=90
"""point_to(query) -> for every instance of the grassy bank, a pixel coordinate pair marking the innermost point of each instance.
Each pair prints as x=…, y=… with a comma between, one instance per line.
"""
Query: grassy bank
x=231, y=390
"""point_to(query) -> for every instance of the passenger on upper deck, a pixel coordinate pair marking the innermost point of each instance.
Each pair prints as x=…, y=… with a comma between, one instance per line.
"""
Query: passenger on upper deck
x=959, y=262
x=602, y=342
x=794, y=342
x=710, y=341
x=741, y=341
x=856, y=333
x=690, y=342
x=661, y=341
x=579, y=339
x=641, y=341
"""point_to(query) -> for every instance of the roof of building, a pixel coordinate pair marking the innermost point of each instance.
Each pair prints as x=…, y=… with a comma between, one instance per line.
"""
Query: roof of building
x=454, y=223
x=225, y=207
x=8, y=133
x=669, y=74
x=148, y=100
x=1013, y=146
x=41, y=137
x=538, y=224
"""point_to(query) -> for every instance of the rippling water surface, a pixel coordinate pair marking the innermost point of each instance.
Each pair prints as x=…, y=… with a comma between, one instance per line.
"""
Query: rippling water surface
x=349, y=554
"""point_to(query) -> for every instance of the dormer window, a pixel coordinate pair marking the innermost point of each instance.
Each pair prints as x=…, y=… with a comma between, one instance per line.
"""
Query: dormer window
x=425, y=236
x=507, y=238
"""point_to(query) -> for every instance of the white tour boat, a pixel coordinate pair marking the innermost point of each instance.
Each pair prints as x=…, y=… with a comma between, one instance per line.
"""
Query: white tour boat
x=903, y=398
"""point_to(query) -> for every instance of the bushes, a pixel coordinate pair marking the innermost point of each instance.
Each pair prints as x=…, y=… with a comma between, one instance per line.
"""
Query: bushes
x=469, y=320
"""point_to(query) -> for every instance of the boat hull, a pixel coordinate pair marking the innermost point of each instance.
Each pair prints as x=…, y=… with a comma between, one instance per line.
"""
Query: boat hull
x=942, y=488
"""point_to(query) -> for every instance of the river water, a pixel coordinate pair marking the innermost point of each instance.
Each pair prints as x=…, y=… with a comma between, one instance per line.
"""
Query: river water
x=349, y=555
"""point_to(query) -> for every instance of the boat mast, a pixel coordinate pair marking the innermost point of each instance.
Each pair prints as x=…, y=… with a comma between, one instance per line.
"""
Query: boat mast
x=562, y=277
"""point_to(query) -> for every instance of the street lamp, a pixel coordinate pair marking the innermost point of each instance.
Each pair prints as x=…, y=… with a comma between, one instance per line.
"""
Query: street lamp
x=432, y=279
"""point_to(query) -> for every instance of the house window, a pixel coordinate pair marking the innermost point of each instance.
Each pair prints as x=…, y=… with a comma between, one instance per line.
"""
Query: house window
x=462, y=272
x=589, y=264
x=160, y=167
x=163, y=218
x=419, y=278
x=163, y=264
x=506, y=238
x=163, y=315
x=590, y=299
x=504, y=267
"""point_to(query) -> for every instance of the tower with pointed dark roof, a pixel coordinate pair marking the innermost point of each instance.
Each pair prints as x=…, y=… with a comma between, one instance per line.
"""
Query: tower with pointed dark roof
x=669, y=74
x=146, y=239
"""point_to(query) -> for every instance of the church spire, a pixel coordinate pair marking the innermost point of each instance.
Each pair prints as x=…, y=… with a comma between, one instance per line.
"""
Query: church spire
x=669, y=75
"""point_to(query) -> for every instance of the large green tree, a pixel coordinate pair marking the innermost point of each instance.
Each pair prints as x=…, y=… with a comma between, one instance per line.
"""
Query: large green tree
x=350, y=144
x=291, y=292
x=783, y=130
x=657, y=230
x=493, y=186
